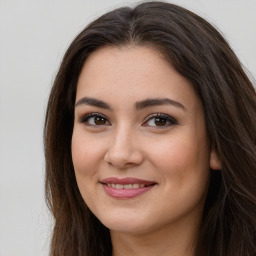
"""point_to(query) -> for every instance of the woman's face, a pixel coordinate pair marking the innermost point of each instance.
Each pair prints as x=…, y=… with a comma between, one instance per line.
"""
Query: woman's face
x=140, y=149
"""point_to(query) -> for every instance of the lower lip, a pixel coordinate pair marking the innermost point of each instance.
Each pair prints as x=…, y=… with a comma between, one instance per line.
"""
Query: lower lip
x=125, y=193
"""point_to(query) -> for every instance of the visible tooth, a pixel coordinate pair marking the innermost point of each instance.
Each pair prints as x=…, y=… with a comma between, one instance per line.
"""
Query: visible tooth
x=113, y=185
x=128, y=186
x=109, y=185
x=142, y=185
x=135, y=185
x=119, y=186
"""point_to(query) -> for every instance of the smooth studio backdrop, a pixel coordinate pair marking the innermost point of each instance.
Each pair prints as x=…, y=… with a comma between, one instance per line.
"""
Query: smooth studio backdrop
x=34, y=35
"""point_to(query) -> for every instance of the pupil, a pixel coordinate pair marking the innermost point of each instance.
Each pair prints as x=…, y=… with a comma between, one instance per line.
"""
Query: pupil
x=160, y=121
x=100, y=120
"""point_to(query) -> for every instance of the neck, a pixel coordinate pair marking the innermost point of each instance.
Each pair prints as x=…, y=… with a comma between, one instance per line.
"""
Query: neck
x=175, y=241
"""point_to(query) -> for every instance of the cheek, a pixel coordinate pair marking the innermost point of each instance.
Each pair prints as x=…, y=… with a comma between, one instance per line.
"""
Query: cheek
x=80, y=156
x=180, y=151
x=86, y=152
x=86, y=156
x=84, y=165
x=183, y=161
x=184, y=172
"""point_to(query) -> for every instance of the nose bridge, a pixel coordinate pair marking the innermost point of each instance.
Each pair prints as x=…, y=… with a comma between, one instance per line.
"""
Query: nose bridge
x=123, y=136
x=123, y=149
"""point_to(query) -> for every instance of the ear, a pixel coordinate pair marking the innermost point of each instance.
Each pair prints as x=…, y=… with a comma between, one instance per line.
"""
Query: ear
x=215, y=163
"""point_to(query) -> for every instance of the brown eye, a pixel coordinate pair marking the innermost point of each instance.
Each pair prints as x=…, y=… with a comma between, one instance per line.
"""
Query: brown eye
x=160, y=121
x=99, y=120
x=95, y=120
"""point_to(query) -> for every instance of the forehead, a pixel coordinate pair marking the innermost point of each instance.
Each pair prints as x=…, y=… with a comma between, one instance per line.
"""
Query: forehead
x=132, y=73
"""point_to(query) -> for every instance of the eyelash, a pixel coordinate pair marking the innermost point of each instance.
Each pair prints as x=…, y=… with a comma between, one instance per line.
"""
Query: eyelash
x=164, y=117
x=85, y=118
x=167, y=118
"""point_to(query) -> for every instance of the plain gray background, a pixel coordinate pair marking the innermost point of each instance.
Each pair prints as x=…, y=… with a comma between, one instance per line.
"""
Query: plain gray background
x=33, y=37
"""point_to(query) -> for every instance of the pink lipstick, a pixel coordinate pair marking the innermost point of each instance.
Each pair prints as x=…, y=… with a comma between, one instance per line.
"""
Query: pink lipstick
x=126, y=188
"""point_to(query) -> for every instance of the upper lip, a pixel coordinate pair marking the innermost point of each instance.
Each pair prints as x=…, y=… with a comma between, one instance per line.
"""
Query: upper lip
x=128, y=180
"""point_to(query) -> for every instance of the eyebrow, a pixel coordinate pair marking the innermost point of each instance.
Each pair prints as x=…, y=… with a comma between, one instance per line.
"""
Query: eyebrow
x=158, y=102
x=138, y=105
x=93, y=102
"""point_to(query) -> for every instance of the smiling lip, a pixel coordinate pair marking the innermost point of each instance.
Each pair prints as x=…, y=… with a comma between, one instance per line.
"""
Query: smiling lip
x=126, y=188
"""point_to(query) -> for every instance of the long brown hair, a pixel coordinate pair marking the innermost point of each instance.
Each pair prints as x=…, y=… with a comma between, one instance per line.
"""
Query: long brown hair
x=200, y=54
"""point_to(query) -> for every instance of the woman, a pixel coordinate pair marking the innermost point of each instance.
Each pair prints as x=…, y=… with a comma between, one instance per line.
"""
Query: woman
x=150, y=140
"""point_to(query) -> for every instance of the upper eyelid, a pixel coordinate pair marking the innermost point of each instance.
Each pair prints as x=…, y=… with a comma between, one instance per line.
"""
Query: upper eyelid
x=163, y=115
x=93, y=114
x=172, y=121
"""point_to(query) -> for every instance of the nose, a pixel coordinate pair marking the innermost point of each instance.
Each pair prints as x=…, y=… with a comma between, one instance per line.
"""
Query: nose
x=124, y=150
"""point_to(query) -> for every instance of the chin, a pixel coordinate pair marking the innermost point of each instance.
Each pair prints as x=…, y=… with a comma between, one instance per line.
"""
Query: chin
x=124, y=223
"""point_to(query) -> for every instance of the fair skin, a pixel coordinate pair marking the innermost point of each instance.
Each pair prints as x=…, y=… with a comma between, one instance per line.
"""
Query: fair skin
x=119, y=133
